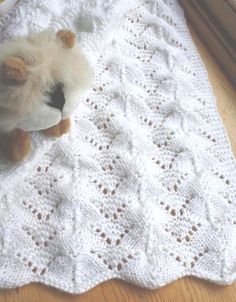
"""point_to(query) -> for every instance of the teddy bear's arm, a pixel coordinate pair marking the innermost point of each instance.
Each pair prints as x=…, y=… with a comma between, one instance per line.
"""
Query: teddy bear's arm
x=41, y=118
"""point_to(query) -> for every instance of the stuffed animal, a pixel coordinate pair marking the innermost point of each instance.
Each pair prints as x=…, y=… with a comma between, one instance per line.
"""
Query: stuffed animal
x=42, y=77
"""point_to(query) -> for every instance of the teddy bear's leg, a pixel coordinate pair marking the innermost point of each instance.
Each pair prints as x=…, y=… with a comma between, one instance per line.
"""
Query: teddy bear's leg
x=58, y=130
x=17, y=145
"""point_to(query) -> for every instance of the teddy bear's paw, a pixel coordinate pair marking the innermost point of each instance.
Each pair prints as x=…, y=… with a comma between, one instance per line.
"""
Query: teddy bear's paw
x=17, y=145
x=67, y=37
x=58, y=130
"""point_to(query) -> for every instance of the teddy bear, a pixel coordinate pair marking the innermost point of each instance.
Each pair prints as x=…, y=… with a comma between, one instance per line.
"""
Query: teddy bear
x=42, y=78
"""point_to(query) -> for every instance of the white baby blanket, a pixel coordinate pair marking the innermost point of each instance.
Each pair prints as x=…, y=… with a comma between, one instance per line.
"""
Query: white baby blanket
x=143, y=188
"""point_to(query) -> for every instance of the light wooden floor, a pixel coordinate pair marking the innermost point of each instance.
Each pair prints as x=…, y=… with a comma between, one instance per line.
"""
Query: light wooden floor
x=184, y=290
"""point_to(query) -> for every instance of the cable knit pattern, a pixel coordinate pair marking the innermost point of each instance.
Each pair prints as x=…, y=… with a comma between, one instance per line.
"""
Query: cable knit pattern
x=143, y=188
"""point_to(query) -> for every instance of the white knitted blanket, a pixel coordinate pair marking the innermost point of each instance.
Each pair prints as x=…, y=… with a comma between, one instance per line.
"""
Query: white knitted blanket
x=143, y=188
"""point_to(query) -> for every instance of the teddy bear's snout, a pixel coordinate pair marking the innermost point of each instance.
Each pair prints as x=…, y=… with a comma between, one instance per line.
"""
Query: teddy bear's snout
x=57, y=98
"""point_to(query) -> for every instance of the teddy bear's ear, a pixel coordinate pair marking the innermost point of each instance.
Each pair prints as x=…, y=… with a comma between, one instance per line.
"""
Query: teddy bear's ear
x=67, y=37
x=14, y=70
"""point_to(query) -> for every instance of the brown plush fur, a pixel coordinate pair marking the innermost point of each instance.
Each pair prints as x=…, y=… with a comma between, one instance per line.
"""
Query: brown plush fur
x=68, y=38
x=57, y=131
x=16, y=146
x=14, y=70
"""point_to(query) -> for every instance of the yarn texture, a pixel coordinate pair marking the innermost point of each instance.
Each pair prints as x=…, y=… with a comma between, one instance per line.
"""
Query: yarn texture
x=143, y=188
